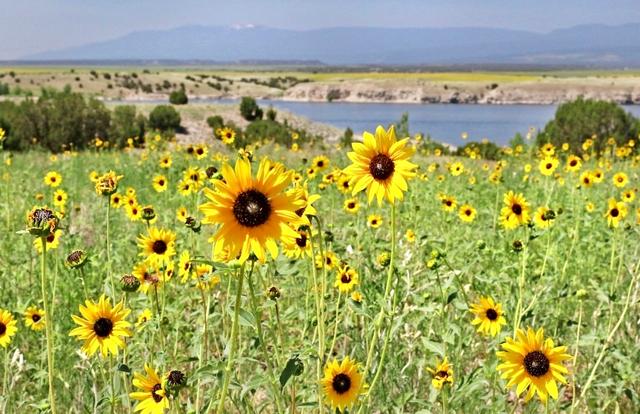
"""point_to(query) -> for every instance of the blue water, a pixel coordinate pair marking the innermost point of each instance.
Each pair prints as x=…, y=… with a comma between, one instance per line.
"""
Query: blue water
x=443, y=122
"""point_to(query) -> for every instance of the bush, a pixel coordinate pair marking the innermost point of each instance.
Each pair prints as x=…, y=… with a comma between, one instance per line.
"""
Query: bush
x=249, y=109
x=271, y=114
x=178, y=97
x=581, y=119
x=164, y=118
x=215, y=122
x=4, y=89
x=347, y=139
x=125, y=124
x=486, y=150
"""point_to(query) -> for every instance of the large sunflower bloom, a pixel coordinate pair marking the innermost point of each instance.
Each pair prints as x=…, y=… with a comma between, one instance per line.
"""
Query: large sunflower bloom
x=533, y=363
x=151, y=397
x=380, y=165
x=102, y=326
x=253, y=213
x=515, y=211
x=342, y=383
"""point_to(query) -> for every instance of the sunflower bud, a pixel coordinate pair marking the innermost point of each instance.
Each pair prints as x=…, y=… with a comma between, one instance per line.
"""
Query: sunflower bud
x=383, y=259
x=517, y=246
x=42, y=221
x=129, y=283
x=481, y=244
x=176, y=380
x=211, y=171
x=76, y=259
x=582, y=294
x=273, y=293
x=148, y=213
x=193, y=224
x=328, y=236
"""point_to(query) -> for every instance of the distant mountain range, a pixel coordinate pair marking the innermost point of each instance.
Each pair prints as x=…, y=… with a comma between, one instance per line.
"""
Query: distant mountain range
x=585, y=45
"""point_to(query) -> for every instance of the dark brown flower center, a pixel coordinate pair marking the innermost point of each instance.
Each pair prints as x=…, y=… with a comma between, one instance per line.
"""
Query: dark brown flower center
x=35, y=318
x=252, y=208
x=103, y=327
x=41, y=216
x=302, y=241
x=517, y=209
x=536, y=363
x=573, y=163
x=159, y=247
x=3, y=328
x=614, y=212
x=492, y=315
x=341, y=383
x=345, y=278
x=161, y=182
x=351, y=205
x=381, y=167
x=548, y=166
x=442, y=374
x=51, y=237
x=157, y=398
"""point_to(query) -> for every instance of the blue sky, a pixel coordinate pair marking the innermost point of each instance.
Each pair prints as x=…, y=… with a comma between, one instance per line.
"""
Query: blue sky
x=37, y=25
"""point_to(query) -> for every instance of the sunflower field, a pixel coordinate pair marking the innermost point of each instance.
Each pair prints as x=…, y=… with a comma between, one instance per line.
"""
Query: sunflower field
x=378, y=278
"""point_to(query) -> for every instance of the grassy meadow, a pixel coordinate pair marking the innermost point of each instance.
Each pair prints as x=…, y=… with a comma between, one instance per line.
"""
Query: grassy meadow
x=396, y=292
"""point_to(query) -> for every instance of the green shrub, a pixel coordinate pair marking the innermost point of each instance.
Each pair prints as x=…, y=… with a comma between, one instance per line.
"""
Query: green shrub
x=215, y=122
x=164, y=118
x=178, y=97
x=125, y=124
x=249, y=109
x=4, y=89
x=486, y=150
x=581, y=119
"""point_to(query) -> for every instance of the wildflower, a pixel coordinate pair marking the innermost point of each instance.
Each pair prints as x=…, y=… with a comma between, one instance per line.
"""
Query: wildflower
x=53, y=179
x=532, y=362
x=107, y=184
x=616, y=212
x=7, y=327
x=151, y=392
x=346, y=278
x=34, y=318
x=515, y=212
x=374, y=221
x=488, y=316
x=342, y=383
x=467, y=213
x=157, y=246
x=442, y=374
x=102, y=327
x=160, y=183
x=381, y=165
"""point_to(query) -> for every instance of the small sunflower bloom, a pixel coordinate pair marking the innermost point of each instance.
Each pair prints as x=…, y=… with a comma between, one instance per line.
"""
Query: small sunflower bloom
x=34, y=318
x=488, y=316
x=7, y=327
x=342, y=383
x=442, y=374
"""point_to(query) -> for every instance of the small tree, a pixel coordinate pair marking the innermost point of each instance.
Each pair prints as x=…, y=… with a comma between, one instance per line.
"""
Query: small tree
x=271, y=114
x=215, y=122
x=580, y=119
x=249, y=109
x=178, y=97
x=164, y=118
x=125, y=124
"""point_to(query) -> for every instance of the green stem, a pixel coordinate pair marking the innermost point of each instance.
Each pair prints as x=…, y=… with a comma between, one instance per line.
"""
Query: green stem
x=258, y=314
x=234, y=344
x=335, y=325
x=113, y=289
x=48, y=323
x=206, y=303
x=316, y=293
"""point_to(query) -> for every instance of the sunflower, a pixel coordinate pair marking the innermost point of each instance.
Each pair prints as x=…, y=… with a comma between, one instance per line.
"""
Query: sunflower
x=102, y=326
x=200, y=151
x=301, y=246
x=410, y=235
x=52, y=241
x=329, y=262
x=598, y=176
x=53, y=179
x=34, y=318
x=186, y=187
x=147, y=276
x=116, y=200
x=134, y=212
x=442, y=374
x=374, y=221
x=346, y=278
x=60, y=198
x=629, y=195
x=142, y=319
x=620, y=179
x=548, y=165
x=467, y=213
x=165, y=161
x=320, y=162
x=7, y=327
x=616, y=212
x=381, y=165
x=515, y=212
x=196, y=177
x=351, y=205
x=151, y=396
x=456, y=168
x=342, y=383
x=253, y=213
x=532, y=362
x=543, y=217
x=302, y=195
x=184, y=266
x=574, y=163
x=489, y=316
x=587, y=179
x=548, y=149
x=182, y=214
x=227, y=135
x=158, y=246
x=447, y=202
x=160, y=183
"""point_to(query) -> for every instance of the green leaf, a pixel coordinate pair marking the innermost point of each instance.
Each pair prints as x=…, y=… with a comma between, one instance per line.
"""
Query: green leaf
x=124, y=368
x=247, y=319
x=294, y=367
x=452, y=296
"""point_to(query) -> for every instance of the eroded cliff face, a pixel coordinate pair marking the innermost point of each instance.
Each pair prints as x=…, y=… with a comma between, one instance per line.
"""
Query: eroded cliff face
x=623, y=91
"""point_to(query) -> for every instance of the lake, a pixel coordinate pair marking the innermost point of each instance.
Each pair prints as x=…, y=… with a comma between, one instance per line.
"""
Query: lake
x=444, y=122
